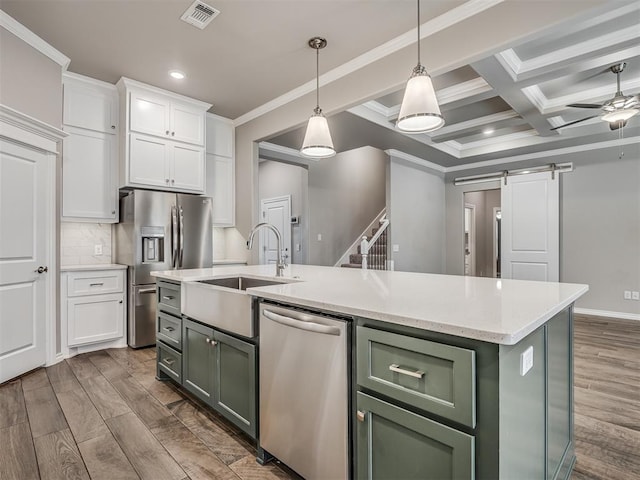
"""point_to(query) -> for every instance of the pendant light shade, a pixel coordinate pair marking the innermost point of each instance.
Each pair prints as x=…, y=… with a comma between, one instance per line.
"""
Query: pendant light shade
x=317, y=141
x=419, y=112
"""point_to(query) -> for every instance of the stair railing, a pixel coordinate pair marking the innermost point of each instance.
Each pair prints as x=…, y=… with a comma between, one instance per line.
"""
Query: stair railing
x=374, y=248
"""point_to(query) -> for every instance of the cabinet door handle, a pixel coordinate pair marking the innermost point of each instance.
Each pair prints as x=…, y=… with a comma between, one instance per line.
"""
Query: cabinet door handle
x=361, y=416
x=168, y=329
x=168, y=297
x=98, y=284
x=394, y=367
x=168, y=362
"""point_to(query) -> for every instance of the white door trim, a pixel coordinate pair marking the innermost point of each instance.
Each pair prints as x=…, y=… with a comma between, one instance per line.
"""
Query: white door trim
x=263, y=202
x=16, y=127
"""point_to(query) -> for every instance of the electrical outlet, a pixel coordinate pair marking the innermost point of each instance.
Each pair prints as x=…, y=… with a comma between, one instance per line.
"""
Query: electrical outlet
x=396, y=247
x=297, y=247
x=627, y=294
x=97, y=249
x=319, y=237
x=635, y=295
x=526, y=361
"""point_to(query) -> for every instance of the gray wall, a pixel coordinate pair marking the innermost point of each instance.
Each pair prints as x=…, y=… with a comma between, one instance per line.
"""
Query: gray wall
x=346, y=192
x=416, y=208
x=277, y=179
x=29, y=81
x=599, y=224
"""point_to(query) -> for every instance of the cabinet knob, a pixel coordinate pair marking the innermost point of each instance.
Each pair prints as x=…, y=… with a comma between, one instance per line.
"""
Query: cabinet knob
x=113, y=212
x=208, y=340
x=113, y=127
x=167, y=132
x=213, y=343
x=166, y=180
x=173, y=134
x=120, y=301
x=173, y=181
x=360, y=415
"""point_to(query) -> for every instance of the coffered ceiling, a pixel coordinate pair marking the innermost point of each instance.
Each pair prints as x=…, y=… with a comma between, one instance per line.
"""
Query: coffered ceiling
x=501, y=104
x=507, y=104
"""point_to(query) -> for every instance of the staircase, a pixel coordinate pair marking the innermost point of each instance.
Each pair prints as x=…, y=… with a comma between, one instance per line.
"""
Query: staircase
x=377, y=251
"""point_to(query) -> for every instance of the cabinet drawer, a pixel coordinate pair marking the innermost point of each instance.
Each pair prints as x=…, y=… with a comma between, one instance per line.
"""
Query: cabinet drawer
x=169, y=330
x=95, y=282
x=170, y=362
x=169, y=297
x=434, y=377
x=395, y=443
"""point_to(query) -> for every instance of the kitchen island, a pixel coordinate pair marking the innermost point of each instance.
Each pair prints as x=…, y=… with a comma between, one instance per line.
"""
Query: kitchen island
x=459, y=376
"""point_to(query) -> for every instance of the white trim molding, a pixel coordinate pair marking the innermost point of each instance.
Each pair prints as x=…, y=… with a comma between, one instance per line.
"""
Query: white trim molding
x=417, y=160
x=23, y=33
x=431, y=27
x=606, y=313
x=284, y=153
x=28, y=130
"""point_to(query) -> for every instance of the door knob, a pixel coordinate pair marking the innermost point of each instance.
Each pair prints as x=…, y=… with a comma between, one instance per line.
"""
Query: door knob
x=42, y=269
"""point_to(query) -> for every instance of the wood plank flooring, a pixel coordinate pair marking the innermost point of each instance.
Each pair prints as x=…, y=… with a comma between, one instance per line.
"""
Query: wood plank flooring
x=103, y=415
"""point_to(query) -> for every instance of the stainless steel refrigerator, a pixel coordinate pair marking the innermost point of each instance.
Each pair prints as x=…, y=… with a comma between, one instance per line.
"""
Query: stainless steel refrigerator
x=159, y=231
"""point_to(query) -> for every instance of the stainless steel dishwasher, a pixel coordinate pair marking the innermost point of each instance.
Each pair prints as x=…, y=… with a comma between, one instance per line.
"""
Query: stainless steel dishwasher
x=304, y=391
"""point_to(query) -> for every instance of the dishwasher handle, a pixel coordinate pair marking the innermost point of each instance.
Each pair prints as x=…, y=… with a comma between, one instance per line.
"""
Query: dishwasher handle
x=301, y=324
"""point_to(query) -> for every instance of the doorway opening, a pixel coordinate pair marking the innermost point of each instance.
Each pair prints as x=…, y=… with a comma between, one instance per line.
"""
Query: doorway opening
x=482, y=217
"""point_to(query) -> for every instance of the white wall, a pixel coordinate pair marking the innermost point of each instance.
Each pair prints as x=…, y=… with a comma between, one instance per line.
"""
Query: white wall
x=277, y=179
x=416, y=210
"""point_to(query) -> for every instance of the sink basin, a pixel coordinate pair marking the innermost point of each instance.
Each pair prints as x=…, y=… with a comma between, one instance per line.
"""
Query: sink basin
x=240, y=283
x=223, y=302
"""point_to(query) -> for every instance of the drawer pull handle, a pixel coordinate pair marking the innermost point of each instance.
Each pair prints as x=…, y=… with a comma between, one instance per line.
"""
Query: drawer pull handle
x=361, y=416
x=168, y=297
x=96, y=284
x=394, y=367
x=168, y=329
x=168, y=362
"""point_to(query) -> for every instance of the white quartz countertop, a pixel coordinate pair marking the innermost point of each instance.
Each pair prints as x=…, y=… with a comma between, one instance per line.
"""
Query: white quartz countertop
x=96, y=266
x=488, y=309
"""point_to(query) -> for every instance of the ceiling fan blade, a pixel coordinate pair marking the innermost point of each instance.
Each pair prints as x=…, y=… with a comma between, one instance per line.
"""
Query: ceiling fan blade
x=617, y=125
x=574, y=122
x=584, y=105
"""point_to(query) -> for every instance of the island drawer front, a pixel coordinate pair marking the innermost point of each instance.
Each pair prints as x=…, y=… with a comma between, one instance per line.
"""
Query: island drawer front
x=170, y=362
x=432, y=376
x=169, y=330
x=395, y=443
x=169, y=297
x=95, y=282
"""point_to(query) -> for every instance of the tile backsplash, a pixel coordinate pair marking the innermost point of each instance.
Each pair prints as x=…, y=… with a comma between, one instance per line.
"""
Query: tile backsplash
x=78, y=241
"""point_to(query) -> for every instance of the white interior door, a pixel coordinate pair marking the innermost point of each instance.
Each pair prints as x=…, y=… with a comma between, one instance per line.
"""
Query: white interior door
x=24, y=233
x=531, y=227
x=277, y=212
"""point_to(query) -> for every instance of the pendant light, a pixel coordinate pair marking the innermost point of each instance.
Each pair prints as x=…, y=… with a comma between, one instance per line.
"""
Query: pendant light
x=317, y=140
x=419, y=112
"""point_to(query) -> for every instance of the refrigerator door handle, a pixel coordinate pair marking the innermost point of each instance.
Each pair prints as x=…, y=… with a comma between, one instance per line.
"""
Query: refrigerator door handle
x=181, y=237
x=174, y=235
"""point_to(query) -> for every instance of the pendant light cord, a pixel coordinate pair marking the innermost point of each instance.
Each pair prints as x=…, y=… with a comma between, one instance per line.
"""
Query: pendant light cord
x=418, y=33
x=317, y=110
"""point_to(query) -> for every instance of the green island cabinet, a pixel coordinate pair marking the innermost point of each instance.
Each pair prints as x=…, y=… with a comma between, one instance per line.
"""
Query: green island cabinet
x=218, y=368
x=434, y=406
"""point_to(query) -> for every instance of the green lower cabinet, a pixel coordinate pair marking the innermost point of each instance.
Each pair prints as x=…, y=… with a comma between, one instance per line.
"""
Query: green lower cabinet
x=198, y=358
x=235, y=388
x=393, y=443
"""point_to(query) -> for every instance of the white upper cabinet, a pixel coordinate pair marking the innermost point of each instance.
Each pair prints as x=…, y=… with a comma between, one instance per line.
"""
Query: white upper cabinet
x=164, y=139
x=221, y=175
x=90, y=152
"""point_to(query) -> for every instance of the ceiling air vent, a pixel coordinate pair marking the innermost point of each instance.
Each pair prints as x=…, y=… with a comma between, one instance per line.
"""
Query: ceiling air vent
x=199, y=14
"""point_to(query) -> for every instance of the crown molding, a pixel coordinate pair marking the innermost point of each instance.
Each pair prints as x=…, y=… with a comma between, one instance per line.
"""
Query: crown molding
x=285, y=153
x=417, y=160
x=23, y=33
x=546, y=153
x=476, y=122
x=435, y=25
x=26, y=129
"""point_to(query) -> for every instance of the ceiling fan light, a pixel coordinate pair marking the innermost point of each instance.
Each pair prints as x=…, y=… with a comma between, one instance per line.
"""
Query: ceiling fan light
x=317, y=139
x=620, y=115
x=419, y=112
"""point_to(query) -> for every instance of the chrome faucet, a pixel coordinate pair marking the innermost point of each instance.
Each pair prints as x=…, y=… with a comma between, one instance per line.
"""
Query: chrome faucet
x=280, y=265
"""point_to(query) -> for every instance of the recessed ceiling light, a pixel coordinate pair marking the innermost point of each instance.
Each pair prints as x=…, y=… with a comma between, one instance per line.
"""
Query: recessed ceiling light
x=177, y=74
x=488, y=131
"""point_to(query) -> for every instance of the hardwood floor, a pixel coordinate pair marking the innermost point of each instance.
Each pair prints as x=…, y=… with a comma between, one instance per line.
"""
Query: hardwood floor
x=104, y=416
x=607, y=398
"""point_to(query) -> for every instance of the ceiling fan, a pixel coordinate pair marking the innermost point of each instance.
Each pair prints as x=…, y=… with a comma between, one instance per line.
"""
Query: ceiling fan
x=617, y=110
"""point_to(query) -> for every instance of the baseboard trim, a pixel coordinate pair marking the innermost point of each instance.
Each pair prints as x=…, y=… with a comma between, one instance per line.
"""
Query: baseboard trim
x=605, y=313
